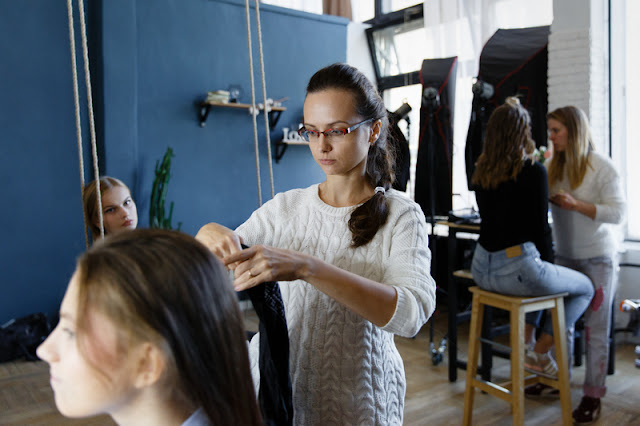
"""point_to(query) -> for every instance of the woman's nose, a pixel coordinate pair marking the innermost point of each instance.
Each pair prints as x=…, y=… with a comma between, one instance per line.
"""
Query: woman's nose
x=325, y=146
x=45, y=351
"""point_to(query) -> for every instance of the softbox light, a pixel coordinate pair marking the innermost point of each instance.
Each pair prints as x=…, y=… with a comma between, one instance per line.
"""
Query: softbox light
x=512, y=63
x=433, y=188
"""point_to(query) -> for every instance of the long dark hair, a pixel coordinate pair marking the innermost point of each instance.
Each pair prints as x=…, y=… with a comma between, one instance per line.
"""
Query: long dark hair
x=166, y=288
x=370, y=216
x=507, y=143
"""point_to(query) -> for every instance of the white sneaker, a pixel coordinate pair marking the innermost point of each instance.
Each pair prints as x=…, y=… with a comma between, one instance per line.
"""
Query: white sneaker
x=541, y=363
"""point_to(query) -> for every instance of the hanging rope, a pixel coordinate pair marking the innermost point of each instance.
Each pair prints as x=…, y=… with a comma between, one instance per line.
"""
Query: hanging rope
x=267, y=108
x=77, y=111
x=94, y=149
x=254, y=110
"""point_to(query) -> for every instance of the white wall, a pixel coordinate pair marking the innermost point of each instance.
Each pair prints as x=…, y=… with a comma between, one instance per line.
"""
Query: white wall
x=358, y=49
x=578, y=63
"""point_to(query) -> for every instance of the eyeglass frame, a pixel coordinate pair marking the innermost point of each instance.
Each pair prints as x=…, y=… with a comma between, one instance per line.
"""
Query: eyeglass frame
x=343, y=131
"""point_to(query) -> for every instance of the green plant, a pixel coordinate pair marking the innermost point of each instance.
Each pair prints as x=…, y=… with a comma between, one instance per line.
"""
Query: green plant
x=157, y=218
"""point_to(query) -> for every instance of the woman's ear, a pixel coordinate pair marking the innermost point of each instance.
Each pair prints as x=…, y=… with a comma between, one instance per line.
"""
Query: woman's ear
x=150, y=365
x=375, y=131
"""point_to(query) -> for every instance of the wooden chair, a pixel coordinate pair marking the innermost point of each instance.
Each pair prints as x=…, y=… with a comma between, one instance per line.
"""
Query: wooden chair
x=513, y=391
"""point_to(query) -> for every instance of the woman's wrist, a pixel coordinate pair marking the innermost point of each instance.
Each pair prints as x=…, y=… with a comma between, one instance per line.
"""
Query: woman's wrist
x=585, y=208
x=307, y=268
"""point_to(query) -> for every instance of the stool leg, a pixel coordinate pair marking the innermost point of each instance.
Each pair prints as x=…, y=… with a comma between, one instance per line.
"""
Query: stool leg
x=517, y=363
x=472, y=362
x=486, y=352
x=560, y=340
x=453, y=330
x=612, y=339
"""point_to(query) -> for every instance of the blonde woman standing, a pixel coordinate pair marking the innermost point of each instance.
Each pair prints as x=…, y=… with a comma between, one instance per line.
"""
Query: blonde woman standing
x=586, y=203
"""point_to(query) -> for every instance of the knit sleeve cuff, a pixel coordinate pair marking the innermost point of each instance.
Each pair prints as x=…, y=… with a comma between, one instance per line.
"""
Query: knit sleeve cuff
x=407, y=319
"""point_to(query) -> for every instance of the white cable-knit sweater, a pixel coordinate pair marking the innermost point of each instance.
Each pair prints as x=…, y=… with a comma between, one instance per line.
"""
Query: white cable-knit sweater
x=344, y=369
x=578, y=236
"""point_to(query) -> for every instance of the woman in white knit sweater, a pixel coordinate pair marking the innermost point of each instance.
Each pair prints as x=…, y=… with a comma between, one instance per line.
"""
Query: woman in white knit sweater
x=587, y=202
x=355, y=253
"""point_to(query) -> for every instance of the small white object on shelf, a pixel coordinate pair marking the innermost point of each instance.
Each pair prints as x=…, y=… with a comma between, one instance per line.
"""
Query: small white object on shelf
x=218, y=96
x=292, y=137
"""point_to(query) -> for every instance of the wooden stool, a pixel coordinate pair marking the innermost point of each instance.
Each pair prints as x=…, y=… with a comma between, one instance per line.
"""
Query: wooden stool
x=463, y=278
x=513, y=391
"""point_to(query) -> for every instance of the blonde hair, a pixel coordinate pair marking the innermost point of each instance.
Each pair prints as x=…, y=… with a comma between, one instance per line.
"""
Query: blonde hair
x=507, y=140
x=90, y=201
x=574, y=160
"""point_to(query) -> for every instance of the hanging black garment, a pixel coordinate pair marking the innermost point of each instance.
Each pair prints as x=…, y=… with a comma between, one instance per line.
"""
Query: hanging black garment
x=400, y=146
x=275, y=383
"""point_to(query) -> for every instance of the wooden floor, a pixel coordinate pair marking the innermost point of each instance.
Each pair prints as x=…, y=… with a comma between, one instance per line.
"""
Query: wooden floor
x=26, y=398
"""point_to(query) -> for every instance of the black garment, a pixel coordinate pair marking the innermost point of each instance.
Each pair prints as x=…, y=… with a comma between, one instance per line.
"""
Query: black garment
x=275, y=383
x=402, y=158
x=517, y=212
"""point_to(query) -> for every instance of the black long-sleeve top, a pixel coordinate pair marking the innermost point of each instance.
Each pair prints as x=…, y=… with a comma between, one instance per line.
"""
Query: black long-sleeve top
x=517, y=212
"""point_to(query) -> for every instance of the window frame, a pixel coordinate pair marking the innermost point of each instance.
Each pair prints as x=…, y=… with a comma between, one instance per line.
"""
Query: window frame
x=385, y=20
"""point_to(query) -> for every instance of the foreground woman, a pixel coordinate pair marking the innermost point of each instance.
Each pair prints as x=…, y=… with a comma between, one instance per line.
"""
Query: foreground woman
x=150, y=332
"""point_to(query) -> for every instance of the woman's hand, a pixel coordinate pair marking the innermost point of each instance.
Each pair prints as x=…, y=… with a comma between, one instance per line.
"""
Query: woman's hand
x=260, y=264
x=567, y=202
x=220, y=240
x=563, y=200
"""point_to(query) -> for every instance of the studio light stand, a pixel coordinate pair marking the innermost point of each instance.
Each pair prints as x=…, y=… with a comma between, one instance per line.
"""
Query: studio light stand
x=431, y=100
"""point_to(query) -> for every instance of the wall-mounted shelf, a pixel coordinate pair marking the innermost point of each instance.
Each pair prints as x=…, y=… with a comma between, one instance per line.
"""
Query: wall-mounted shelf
x=282, y=145
x=205, y=108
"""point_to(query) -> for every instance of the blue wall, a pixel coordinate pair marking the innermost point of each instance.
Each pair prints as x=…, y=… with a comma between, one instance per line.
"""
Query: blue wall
x=152, y=61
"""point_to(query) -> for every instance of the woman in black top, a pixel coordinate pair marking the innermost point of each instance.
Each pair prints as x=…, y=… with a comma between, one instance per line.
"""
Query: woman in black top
x=514, y=252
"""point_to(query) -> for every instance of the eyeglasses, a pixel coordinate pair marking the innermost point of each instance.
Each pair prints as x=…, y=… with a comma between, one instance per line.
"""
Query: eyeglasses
x=308, y=135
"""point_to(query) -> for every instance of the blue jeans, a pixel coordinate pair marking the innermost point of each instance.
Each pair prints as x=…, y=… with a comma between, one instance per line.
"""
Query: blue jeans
x=526, y=274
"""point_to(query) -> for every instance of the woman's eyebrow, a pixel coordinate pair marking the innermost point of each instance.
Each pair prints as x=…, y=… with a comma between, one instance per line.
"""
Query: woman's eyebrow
x=66, y=315
x=330, y=125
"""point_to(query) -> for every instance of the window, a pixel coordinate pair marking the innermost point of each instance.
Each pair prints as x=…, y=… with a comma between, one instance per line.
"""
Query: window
x=394, y=5
x=401, y=38
x=625, y=104
x=362, y=10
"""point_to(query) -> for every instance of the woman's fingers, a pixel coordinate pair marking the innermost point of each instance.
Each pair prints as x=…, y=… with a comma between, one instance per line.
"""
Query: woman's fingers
x=260, y=264
x=220, y=240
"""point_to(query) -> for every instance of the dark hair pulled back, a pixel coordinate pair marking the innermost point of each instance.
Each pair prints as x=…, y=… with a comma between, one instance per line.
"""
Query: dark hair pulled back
x=370, y=216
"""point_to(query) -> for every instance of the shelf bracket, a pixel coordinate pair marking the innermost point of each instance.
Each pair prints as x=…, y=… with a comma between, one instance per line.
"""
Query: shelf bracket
x=204, y=113
x=281, y=147
x=273, y=119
